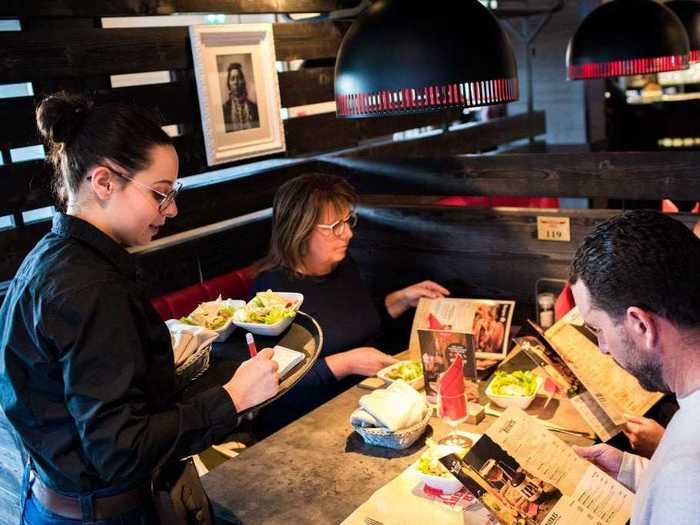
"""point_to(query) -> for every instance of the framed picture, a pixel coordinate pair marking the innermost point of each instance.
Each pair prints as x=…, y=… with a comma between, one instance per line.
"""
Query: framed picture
x=239, y=99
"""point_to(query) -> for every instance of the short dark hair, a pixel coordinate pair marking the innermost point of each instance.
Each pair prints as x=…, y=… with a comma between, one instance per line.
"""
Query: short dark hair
x=80, y=135
x=642, y=258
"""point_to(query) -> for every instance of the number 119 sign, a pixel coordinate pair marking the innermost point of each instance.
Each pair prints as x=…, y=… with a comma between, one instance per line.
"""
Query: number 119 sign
x=554, y=229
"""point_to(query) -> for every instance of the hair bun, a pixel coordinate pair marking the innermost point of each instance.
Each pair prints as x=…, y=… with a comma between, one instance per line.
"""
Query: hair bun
x=60, y=116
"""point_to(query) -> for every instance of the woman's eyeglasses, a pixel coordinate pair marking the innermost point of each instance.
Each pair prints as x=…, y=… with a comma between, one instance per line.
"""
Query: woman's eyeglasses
x=163, y=199
x=338, y=227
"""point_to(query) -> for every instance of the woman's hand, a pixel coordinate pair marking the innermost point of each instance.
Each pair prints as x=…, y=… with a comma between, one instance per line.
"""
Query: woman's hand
x=364, y=361
x=644, y=434
x=607, y=458
x=401, y=300
x=255, y=381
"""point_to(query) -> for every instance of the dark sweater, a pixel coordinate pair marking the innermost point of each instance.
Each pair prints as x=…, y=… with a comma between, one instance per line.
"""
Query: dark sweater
x=349, y=318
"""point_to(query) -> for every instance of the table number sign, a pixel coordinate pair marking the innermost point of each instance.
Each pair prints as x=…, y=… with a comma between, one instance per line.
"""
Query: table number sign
x=554, y=229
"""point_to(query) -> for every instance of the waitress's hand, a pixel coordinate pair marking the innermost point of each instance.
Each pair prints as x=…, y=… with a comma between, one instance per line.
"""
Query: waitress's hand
x=401, y=300
x=255, y=381
x=364, y=361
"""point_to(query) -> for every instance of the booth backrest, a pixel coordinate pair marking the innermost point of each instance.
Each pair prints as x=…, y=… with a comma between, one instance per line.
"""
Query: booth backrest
x=231, y=285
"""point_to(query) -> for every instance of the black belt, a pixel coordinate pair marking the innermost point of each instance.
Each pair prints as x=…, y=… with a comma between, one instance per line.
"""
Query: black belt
x=105, y=507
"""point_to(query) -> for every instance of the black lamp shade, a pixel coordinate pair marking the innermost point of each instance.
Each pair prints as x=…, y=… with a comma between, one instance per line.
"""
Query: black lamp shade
x=406, y=56
x=627, y=37
x=689, y=13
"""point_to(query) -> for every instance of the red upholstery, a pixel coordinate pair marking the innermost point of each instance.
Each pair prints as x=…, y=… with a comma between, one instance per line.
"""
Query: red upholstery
x=488, y=202
x=232, y=285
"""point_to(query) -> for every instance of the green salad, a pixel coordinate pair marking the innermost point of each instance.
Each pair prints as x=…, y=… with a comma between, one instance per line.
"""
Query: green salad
x=515, y=384
x=429, y=462
x=212, y=315
x=406, y=370
x=266, y=308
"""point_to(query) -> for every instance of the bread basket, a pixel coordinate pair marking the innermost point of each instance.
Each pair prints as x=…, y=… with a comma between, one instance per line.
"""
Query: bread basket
x=400, y=439
x=194, y=366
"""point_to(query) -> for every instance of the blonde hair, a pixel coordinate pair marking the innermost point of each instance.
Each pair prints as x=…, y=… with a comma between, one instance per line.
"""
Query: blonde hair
x=297, y=207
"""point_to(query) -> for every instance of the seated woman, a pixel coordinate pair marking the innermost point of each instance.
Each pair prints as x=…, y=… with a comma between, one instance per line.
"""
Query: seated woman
x=312, y=226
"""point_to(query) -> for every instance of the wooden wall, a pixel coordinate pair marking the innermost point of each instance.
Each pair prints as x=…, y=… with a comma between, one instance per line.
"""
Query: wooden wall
x=63, y=46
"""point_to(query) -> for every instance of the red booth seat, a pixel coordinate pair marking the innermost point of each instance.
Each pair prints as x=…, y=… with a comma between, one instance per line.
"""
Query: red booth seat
x=231, y=285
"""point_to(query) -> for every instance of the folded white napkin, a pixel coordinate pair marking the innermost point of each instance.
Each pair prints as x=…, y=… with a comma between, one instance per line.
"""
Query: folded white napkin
x=187, y=339
x=396, y=407
x=362, y=418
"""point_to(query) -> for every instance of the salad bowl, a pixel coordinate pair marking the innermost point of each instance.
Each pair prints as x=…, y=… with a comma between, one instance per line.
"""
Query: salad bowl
x=215, y=315
x=409, y=371
x=429, y=469
x=517, y=389
x=269, y=313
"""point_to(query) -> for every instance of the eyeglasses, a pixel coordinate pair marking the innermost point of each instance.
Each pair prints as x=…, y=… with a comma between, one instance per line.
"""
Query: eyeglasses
x=338, y=227
x=163, y=199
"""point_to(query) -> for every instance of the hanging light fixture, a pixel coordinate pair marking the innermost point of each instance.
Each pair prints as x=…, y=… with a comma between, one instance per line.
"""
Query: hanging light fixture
x=627, y=37
x=689, y=13
x=407, y=56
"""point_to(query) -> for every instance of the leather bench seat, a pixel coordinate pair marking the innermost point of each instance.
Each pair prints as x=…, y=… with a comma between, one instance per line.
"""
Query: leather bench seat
x=231, y=285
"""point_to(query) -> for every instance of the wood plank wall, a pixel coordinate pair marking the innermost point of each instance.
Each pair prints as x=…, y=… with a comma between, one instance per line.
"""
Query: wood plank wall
x=63, y=46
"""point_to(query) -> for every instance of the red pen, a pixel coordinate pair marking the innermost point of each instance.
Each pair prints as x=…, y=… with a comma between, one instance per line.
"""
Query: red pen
x=251, y=344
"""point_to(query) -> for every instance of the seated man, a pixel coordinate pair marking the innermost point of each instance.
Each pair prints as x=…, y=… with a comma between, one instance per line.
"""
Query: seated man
x=636, y=282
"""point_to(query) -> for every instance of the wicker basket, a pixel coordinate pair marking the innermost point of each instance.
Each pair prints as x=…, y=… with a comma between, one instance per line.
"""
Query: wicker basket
x=194, y=366
x=400, y=439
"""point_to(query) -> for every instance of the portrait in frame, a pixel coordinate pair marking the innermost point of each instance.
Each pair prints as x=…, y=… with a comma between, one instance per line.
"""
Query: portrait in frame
x=238, y=91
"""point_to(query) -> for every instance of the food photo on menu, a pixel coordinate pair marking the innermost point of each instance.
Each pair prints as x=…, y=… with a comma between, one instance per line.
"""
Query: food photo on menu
x=487, y=321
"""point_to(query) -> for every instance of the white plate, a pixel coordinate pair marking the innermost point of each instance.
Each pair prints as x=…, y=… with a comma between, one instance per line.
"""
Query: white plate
x=278, y=327
x=521, y=402
x=417, y=383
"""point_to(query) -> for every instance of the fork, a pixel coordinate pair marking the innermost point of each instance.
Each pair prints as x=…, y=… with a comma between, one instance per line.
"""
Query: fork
x=370, y=521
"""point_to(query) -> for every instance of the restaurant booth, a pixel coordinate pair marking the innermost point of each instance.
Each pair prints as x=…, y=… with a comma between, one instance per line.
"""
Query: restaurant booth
x=409, y=169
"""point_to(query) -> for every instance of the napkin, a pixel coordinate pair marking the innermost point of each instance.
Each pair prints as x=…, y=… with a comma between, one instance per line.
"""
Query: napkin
x=396, y=407
x=187, y=339
x=451, y=391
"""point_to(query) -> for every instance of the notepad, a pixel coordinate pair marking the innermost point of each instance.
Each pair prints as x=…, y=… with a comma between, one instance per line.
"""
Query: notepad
x=286, y=359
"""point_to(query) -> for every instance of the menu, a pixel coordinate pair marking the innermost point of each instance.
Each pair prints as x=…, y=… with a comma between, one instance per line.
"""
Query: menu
x=487, y=321
x=438, y=349
x=610, y=391
x=526, y=475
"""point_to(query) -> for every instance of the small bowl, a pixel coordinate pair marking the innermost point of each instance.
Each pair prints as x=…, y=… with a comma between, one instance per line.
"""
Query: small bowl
x=447, y=485
x=383, y=374
x=227, y=329
x=278, y=327
x=521, y=402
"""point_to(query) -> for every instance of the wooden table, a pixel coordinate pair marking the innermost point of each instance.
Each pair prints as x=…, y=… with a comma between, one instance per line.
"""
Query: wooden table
x=316, y=470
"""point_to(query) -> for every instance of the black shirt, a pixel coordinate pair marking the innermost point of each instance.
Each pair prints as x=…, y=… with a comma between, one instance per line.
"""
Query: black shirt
x=349, y=318
x=86, y=367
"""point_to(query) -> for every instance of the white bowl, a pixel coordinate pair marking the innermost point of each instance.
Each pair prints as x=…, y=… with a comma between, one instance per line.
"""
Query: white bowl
x=417, y=383
x=278, y=327
x=228, y=328
x=521, y=402
x=447, y=485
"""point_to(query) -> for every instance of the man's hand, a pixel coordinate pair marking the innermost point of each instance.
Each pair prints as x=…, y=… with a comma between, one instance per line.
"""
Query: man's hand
x=607, y=458
x=255, y=381
x=644, y=434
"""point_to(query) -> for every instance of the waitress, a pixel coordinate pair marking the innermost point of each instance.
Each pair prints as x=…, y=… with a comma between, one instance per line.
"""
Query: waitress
x=87, y=376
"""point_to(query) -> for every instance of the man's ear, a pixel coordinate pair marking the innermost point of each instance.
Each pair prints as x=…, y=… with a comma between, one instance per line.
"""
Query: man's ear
x=642, y=326
x=101, y=182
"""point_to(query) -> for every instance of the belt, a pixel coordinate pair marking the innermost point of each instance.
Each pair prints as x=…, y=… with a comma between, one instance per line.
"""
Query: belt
x=105, y=507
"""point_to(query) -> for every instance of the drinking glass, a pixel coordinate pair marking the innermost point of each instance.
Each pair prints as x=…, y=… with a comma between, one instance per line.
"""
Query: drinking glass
x=453, y=411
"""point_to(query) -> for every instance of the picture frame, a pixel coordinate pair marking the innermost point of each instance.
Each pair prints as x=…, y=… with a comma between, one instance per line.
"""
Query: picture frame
x=238, y=91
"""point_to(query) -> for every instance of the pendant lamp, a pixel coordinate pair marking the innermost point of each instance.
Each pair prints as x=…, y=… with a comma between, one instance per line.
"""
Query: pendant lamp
x=407, y=56
x=689, y=13
x=627, y=37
